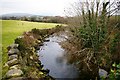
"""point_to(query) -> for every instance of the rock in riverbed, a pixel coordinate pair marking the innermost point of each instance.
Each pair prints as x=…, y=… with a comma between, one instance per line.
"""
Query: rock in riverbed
x=103, y=73
x=46, y=40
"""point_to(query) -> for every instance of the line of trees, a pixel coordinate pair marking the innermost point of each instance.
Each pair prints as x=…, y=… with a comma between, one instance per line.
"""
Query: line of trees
x=47, y=19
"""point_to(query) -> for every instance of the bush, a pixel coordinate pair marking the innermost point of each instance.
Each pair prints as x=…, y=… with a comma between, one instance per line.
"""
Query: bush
x=115, y=72
x=97, y=35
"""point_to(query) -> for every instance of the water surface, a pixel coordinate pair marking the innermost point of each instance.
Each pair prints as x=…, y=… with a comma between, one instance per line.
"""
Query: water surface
x=52, y=57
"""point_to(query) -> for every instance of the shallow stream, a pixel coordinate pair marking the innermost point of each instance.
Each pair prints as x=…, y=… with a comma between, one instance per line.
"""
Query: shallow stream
x=52, y=57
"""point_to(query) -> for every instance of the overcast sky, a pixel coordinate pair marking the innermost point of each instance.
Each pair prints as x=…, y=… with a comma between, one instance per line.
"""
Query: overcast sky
x=41, y=7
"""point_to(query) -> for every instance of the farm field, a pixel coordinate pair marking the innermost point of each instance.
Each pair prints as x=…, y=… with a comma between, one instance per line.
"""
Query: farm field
x=13, y=28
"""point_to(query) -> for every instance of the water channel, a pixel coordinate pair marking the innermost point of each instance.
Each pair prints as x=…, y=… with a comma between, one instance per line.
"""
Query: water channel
x=52, y=57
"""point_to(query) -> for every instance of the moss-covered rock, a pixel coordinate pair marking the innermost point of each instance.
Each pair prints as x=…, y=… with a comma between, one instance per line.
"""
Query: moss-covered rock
x=15, y=67
x=12, y=62
x=14, y=73
x=11, y=57
x=18, y=78
x=13, y=51
x=12, y=46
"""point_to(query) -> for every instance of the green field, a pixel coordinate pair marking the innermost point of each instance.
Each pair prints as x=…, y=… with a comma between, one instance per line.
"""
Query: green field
x=11, y=29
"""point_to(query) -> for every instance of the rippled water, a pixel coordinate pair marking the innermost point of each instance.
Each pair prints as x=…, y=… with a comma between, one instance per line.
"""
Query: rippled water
x=52, y=57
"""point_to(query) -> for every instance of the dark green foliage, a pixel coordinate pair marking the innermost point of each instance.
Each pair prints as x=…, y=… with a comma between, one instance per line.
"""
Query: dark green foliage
x=41, y=32
x=21, y=44
x=86, y=37
x=99, y=34
x=115, y=72
x=93, y=31
x=35, y=31
x=114, y=43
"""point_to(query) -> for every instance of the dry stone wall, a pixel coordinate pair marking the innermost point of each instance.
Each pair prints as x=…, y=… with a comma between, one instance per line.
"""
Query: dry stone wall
x=13, y=63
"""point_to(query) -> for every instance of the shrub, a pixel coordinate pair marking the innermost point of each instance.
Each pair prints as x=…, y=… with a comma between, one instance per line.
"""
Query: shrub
x=97, y=35
x=115, y=72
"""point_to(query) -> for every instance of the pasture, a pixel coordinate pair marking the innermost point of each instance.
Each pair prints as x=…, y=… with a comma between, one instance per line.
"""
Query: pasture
x=11, y=29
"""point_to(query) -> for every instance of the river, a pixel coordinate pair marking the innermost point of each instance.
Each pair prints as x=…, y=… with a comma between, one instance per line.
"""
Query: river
x=51, y=55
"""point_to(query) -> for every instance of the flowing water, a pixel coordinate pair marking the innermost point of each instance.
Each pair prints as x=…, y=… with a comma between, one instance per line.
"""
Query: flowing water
x=52, y=57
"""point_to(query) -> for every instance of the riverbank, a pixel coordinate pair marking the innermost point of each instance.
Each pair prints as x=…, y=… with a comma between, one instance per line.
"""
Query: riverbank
x=91, y=65
x=31, y=66
x=27, y=59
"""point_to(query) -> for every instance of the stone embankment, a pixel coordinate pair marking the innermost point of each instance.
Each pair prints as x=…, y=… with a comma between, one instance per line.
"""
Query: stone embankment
x=16, y=70
x=13, y=62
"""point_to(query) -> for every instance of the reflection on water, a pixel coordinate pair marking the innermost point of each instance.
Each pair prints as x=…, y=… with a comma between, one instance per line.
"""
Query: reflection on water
x=52, y=57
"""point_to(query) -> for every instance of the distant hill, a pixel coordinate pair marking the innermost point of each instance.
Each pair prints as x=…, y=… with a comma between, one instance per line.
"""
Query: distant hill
x=18, y=15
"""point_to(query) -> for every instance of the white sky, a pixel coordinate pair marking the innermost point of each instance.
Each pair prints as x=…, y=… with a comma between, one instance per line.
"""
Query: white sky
x=41, y=7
